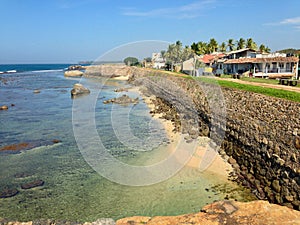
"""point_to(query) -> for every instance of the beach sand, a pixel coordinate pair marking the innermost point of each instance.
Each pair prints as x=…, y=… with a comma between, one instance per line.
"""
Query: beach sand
x=217, y=166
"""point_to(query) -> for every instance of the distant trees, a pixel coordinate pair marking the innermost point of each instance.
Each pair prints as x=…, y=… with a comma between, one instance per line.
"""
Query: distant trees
x=131, y=61
x=241, y=43
x=251, y=44
x=264, y=49
x=230, y=44
x=213, y=45
x=223, y=47
x=176, y=53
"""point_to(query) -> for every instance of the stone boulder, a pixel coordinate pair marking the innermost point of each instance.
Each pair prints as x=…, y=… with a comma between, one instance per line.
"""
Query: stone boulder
x=4, y=107
x=73, y=73
x=79, y=89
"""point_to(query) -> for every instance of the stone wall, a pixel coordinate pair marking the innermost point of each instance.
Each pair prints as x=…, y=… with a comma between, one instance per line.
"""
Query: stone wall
x=261, y=134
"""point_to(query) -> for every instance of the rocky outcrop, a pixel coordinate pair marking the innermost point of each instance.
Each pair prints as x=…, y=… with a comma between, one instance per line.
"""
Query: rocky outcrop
x=226, y=212
x=218, y=213
x=73, y=73
x=123, y=100
x=107, y=70
x=79, y=89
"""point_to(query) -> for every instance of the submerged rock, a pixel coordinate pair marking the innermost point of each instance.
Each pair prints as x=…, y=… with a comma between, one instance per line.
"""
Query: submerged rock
x=123, y=100
x=7, y=193
x=79, y=89
x=33, y=184
x=17, y=148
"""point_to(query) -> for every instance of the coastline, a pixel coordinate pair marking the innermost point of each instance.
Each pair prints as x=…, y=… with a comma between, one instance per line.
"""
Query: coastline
x=218, y=166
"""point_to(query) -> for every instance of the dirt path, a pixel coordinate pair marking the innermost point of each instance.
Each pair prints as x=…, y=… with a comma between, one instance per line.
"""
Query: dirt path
x=275, y=86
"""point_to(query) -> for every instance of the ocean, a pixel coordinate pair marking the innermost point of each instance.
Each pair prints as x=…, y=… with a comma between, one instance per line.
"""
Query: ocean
x=72, y=189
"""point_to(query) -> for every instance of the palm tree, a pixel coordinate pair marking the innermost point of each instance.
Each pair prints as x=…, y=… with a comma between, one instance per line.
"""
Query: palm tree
x=251, y=44
x=222, y=47
x=241, y=43
x=213, y=45
x=264, y=49
x=230, y=44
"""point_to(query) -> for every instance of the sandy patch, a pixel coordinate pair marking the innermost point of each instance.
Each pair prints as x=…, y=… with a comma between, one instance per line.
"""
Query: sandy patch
x=201, y=155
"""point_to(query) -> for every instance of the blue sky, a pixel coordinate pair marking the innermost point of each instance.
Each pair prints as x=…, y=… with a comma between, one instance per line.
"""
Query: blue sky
x=58, y=31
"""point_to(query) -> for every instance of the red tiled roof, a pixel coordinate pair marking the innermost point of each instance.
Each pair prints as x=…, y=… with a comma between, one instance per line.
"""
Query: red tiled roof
x=209, y=58
x=262, y=60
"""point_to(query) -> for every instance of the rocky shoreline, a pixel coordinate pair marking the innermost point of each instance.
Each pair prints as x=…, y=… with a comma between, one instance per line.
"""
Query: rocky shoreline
x=261, y=134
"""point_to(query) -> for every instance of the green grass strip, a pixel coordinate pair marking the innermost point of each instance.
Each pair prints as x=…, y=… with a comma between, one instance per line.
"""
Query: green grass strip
x=278, y=93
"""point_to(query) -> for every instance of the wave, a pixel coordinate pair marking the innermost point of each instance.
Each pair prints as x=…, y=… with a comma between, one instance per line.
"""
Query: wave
x=45, y=71
x=11, y=71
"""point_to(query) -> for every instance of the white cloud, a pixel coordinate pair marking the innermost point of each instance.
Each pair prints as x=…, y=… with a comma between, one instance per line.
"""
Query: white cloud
x=295, y=20
x=191, y=10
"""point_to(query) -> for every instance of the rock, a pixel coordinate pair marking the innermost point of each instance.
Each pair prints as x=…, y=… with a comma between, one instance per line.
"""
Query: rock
x=7, y=193
x=4, y=107
x=73, y=73
x=36, y=91
x=226, y=212
x=75, y=67
x=33, y=184
x=123, y=100
x=297, y=142
x=17, y=148
x=276, y=186
x=121, y=90
x=79, y=89
x=55, y=141
x=232, y=161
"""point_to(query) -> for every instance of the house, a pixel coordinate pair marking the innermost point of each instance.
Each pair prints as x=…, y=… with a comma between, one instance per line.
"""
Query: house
x=275, y=65
x=207, y=61
x=158, y=62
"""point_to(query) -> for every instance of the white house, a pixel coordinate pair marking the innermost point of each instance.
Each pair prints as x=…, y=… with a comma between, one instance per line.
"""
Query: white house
x=158, y=61
x=275, y=65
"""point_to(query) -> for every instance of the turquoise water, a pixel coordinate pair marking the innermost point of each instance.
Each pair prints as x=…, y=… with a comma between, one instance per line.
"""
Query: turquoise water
x=73, y=190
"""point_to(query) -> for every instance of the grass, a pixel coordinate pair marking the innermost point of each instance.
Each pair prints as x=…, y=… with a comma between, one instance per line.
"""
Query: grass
x=278, y=93
x=290, y=95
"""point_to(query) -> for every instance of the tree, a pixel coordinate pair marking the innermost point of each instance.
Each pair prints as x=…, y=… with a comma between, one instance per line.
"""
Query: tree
x=213, y=45
x=230, y=44
x=131, y=61
x=264, y=49
x=174, y=52
x=251, y=44
x=241, y=43
x=187, y=53
x=222, y=47
x=163, y=54
x=148, y=59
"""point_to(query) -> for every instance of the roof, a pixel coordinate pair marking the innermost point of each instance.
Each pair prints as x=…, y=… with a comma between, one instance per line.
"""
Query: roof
x=241, y=50
x=209, y=58
x=262, y=60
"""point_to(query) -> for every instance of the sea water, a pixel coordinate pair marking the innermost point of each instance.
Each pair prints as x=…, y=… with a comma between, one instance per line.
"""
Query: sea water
x=72, y=189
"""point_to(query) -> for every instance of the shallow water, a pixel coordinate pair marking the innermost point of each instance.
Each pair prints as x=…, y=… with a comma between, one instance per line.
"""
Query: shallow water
x=72, y=189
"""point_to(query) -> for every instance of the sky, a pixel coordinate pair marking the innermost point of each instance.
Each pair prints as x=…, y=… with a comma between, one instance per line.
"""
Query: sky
x=68, y=31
